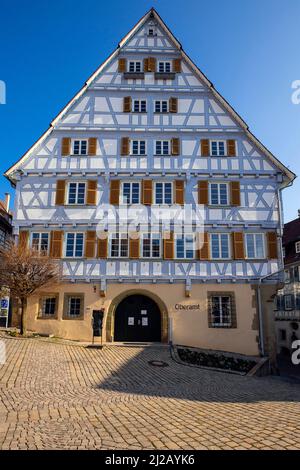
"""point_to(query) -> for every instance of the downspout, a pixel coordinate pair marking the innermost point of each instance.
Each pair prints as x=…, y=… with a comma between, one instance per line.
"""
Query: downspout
x=261, y=323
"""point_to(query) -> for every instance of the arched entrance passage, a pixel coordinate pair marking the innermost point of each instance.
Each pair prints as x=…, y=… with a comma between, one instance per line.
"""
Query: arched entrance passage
x=140, y=300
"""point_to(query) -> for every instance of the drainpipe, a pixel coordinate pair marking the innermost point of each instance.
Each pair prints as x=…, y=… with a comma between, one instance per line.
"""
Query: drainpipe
x=261, y=323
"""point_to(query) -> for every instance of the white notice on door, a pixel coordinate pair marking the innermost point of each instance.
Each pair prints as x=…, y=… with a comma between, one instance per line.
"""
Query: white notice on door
x=143, y=312
x=131, y=321
x=145, y=321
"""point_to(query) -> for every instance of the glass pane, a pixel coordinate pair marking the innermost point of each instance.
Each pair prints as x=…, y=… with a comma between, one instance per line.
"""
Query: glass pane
x=223, y=194
x=214, y=194
x=215, y=306
x=157, y=106
x=146, y=246
x=179, y=247
x=158, y=193
x=221, y=149
x=224, y=246
x=250, y=246
x=164, y=106
x=126, y=193
x=214, y=149
x=259, y=246
x=143, y=106
x=135, y=193
x=79, y=244
x=165, y=147
x=44, y=242
x=70, y=244
x=76, y=147
x=142, y=147
x=168, y=193
x=158, y=147
x=167, y=67
x=136, y=106
x=81, y=193
x=72, y=193
x=215, y=246
x=124, y=247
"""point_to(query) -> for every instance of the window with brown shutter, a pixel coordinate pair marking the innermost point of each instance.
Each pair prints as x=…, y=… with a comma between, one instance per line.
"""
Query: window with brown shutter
x=56, y=243
x=91, y=192
x=134, y=246
x=173, y=105
x=203, y=192
x=204, y=251
x=60, y=192
x=146, y=64
x=169, y=245
x=114, y=192
x=238, y=245
x=231, y=148
x=179, y=192
x=150, y=64
x=177, y=65
x=272, y=245
x=66, y=146
x=102, y=246
x=235, y=193
x=147, y=192
x=205, y=150
x=125, y=146
x=122, y=65
x=24, y=239
x=175, y=146
x=90, y=243
x=127, y=104
x=92, y=146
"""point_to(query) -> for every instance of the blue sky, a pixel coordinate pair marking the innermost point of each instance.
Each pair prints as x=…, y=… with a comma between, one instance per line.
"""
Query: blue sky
x=249, y=49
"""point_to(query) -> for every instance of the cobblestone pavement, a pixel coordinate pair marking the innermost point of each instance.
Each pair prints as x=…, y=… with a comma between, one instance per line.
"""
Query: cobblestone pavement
x=61, y=396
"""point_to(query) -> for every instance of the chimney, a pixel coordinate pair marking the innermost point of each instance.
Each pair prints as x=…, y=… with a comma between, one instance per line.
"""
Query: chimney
x=7, y=201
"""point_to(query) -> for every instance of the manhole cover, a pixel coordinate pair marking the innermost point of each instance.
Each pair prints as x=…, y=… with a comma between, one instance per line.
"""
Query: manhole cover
x=158, y=363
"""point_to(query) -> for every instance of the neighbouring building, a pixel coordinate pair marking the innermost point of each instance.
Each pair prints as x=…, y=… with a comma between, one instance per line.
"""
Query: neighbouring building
x=149, y=128
x=5, y=236
x=287, y=304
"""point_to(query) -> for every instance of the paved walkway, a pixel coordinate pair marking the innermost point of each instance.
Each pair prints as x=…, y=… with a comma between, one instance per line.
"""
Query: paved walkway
x=61, y=396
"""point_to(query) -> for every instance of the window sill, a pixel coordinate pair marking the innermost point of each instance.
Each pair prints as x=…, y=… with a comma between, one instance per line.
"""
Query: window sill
x=47, y=317
x=134, y=75
x=79, y=317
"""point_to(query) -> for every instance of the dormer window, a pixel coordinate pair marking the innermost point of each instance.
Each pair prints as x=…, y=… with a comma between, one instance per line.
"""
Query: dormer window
x=135, y=66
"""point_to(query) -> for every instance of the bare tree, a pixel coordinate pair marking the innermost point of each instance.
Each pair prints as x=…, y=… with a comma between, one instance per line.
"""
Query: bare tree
x=23, y=271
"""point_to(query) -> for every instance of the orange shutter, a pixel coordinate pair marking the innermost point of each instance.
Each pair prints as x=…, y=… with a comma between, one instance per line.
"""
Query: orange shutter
x=238, y=245
x=203, y=192
x=90, y=241
x=235, y=193
x=272, y=245
x=122, y=65
x=92, y=146
x=56, y=243
x=231, y=152
x=23, y=239
x=177, y=65
x=66, y=146
x=173, y=105
x=125, y=146
x=146, y=64
x=114, y=192
x=152, y=64
x=91, y=192
x=205, y=151
x=175, y=146
x=127, y=104
x=179, y=192
x=102, y=246
x=60, y=192
x=169, y=246
x=204, y=251
x=134, y=247
x=147, y=192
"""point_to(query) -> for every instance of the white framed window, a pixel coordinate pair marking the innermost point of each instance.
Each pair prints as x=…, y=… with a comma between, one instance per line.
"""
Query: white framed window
x=119, y=245
x=49, y=304
x=74, y=245
x=255, y=245
x=139, y=106
x=218, y=194
x=185, y=246
x=135, y=66
x=163, y=193
x=287, y=276
x=74, y=306
x=138, y=147
x=218, y=148
x=221, y=311
x=164, y=66
x=40, y=242
x=220, y=247
x=80, y=147
x=162, y=147
x=288, y=302
x=76, y=193
x=161, y=106
x=131, y=192
x=150, y=245
x=297, y=247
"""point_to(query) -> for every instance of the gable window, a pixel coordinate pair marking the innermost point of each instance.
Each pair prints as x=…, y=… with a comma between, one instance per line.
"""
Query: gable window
x=164, y=67
x=138, y=147
x=40, y=242
x=255, y=245
x=162, y=147
x=151, y=245
x=219, y=245
x=185, y=246
x=139, y=106
x=217, y=148
x=163, y=193
x=74, y=245
x=218, y=194
x=76, y=193
x=130, y=193
x=297, y=247
x=135, y=66
x=80, y=147
x=221, y=311
x=48, y=305
x=119, y=245
x=161, y=106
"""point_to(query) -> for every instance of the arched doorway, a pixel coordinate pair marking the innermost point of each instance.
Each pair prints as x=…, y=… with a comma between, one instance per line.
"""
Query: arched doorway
x=137, y=319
